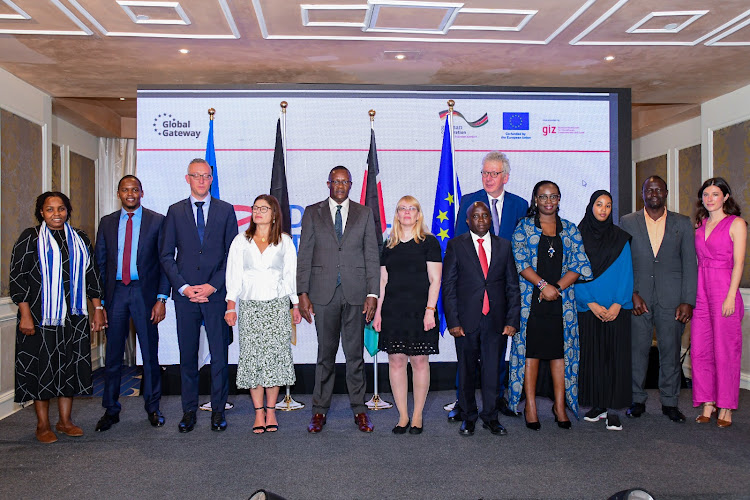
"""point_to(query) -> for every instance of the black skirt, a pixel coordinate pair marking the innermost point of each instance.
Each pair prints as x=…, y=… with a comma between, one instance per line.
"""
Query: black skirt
x=605, y=373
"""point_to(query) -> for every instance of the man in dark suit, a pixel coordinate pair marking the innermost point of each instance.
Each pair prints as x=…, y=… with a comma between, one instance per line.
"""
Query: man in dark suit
x=482, y=303
x=506, y=209
x=127, y=254
x=201, y=229
x=665, y=281
x=338, y=281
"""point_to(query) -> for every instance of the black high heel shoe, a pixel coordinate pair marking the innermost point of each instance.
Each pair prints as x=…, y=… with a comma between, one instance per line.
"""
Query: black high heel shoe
x=401, y=430
x=562, y=424
x=534, y=426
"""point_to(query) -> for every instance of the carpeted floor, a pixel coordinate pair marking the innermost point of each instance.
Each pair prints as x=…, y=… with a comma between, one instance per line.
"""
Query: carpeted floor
x=134, y=460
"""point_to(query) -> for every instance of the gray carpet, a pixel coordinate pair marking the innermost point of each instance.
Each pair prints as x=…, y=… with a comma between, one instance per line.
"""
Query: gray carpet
x=134, y=460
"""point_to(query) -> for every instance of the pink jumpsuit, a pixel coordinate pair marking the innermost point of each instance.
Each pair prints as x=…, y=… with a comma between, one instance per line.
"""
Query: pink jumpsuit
x=716, y=341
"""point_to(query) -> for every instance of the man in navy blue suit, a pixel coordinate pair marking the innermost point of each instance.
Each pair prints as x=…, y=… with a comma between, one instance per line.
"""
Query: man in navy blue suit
x=127, y=254
x=201, y=230
x=506, y=210
x=482, y=303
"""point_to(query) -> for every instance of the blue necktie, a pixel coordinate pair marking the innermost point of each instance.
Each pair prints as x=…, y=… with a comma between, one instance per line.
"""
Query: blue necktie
x=495, y=218
x=200, y=222
x=339, y=227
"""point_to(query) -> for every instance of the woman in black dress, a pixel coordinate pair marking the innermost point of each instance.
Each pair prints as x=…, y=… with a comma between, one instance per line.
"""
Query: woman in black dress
x=410, y=270
x=52, y=272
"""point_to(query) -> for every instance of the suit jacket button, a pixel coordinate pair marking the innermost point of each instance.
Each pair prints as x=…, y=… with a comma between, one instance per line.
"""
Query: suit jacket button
x=199, y=268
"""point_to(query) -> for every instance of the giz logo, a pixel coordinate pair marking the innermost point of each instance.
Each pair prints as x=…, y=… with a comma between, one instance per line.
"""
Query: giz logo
x=549, y=129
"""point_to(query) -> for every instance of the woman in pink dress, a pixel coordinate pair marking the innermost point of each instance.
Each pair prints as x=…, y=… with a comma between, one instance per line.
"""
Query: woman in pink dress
x=716, y=331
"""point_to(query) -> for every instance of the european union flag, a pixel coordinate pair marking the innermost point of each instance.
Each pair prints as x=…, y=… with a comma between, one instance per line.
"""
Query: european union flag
x=515, y=121
x=446, y=202
x=211, y=159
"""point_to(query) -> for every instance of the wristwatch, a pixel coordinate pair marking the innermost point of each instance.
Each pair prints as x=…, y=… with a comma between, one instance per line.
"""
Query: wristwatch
x=162, y=300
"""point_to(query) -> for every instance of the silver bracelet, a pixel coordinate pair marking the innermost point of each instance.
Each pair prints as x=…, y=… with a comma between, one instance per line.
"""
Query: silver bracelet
x=229, y=311
x=100, y=308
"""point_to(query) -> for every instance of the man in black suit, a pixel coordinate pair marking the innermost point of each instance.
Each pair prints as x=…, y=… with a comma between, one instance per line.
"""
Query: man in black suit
x=127, y=254
x=201, y=229
x=482, y=304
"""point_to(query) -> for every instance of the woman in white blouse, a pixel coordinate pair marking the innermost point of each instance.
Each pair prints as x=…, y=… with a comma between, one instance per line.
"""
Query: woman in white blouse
x=261, y=281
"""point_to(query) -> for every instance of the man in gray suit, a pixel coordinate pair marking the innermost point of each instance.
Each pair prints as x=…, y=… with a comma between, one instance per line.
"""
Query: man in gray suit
x=665, y=280
x=338, y=280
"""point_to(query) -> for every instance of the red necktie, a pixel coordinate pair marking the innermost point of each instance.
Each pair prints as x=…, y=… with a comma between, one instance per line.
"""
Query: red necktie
x=127, y=250
x=485, y=268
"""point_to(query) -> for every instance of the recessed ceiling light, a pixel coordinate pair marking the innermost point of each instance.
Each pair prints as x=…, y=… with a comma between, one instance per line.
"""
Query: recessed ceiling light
x=184, y=51
x=400, y=57
x=122, y=98
x=671, y=26
x=142, y=17
x=609, y=58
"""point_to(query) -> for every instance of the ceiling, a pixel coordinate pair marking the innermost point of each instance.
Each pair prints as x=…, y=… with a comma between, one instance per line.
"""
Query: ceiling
x=87, y=54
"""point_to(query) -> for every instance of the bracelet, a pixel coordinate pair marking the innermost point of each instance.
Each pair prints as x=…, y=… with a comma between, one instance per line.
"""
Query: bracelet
x=431, y=308
x=559, y=290
x=229, y=311
x=295, y=306
x=541, y=284
x=100, y=308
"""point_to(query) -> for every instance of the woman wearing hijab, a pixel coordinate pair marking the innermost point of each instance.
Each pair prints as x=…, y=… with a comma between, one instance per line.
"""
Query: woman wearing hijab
x=604, y=307
x=549, y=258
x=52, y=273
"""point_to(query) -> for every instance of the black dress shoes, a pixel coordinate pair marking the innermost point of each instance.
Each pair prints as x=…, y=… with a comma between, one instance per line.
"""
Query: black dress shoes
x=495, y=427
x=562, y=424
x=534, y=426
x=455, y=414
x=187, y=423
x=502, y=407
x=106, y=422
x=156, y=418
x=636, y=410
x=674, y=414
x=418, y=430
x=467, y=428
x=218, y=422
x=400, y=430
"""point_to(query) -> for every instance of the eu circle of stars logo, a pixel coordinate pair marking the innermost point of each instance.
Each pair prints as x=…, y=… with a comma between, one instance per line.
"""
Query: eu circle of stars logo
x=157, y=119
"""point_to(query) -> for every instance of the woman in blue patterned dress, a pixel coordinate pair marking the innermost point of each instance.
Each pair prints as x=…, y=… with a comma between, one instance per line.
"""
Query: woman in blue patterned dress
x=549, y=257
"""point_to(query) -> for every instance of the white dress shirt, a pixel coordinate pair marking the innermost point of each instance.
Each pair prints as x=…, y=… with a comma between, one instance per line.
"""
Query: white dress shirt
x=486, y=244
x=344, y=212
x=252, y=275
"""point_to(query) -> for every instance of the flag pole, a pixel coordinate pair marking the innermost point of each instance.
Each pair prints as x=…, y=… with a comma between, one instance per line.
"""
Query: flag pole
x=288, y=403
x=375, y=403
x=451, y=104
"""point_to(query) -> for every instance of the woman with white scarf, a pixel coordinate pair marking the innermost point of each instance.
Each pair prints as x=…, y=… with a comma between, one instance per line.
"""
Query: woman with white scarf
x=52, y=272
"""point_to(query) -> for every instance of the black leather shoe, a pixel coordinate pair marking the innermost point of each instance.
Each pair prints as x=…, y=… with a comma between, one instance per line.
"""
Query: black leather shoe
x=418, y=430
x=467, y=428
x=636, y=410
x=502, y=407
x=495, y=427
x=187, y=423
x=400, y=430
x=156, y=418
x=534, y=426
x=455, y=414
x=562, y=424
x=674, y=414
x=106, y=422
x=218, y=422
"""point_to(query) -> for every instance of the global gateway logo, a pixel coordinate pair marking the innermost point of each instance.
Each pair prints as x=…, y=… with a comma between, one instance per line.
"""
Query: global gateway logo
x=166, y=125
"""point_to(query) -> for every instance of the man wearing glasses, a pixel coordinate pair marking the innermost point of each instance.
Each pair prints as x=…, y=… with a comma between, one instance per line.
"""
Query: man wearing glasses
x=506, y=210
x=201, y=229
x=338, y=281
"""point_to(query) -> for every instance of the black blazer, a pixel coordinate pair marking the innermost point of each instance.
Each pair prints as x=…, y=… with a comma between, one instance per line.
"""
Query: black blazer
x=464, y=285
x=150, y=275
x=195, y=263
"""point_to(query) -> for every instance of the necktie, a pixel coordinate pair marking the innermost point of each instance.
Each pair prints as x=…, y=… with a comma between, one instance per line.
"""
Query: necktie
x=200, y=222
x=126, y=251
x=485, y=268
x=495, y=218
x=338, y=225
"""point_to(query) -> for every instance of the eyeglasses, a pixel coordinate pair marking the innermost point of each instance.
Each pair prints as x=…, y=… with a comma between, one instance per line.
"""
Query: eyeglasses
x=408, y=209
x=481, y=216
x=492, y=174
x=262, y=210
x=338, y=182
x=544, y=197
x=205, y=177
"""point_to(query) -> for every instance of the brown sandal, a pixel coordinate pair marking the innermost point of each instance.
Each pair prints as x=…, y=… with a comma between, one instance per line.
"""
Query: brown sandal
x=702, y=419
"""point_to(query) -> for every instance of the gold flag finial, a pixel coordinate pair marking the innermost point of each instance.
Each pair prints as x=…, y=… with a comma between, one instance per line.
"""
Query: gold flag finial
x=211, y=113
x=283, y=105
x=372, y=115
x=451, y=103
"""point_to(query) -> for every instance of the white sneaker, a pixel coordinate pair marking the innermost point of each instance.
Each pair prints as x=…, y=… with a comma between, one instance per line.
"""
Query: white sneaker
x=613, y=423
x=595, y=414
